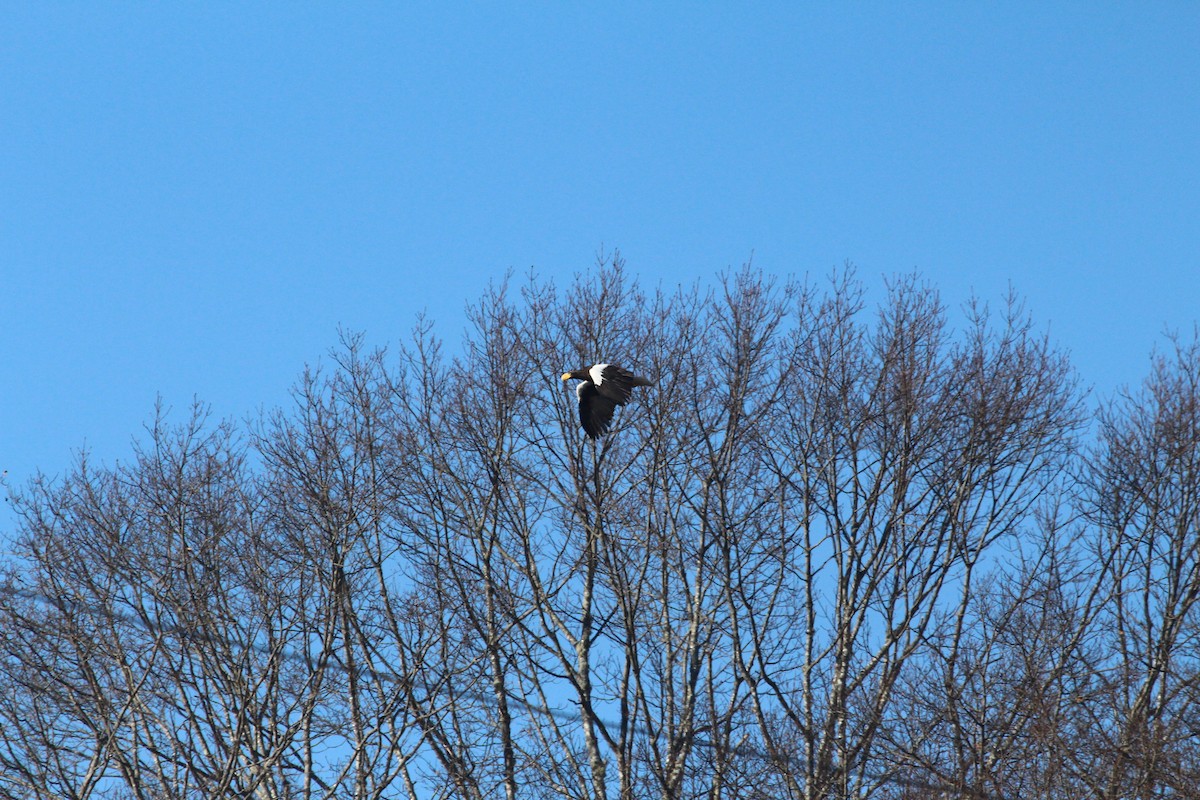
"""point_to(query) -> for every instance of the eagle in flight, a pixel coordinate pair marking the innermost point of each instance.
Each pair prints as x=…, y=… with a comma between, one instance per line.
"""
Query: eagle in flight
x=603, y=388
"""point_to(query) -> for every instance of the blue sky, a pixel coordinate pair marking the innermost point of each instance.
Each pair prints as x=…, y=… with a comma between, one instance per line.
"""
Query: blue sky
x=196, y=196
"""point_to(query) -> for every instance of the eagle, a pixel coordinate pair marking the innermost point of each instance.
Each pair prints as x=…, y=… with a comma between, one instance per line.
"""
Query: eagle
x=604, y=387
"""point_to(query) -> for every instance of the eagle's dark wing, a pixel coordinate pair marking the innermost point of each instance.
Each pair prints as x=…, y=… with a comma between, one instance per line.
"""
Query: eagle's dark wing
x=595, y=409
x=616, y=383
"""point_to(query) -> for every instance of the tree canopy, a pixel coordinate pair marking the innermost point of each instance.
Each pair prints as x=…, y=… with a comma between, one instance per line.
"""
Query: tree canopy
x=839, y=549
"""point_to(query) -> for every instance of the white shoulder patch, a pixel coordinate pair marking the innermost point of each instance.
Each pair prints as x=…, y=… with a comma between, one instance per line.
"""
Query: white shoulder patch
x=579, y=389
x=597, y=373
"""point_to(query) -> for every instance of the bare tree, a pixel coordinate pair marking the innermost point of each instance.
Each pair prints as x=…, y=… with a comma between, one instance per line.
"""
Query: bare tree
x=1143, y=504
x=905, y=456
x=1075, y=675
x=165, y=639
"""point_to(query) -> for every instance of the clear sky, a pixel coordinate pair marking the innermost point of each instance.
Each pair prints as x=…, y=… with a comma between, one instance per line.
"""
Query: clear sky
x=193, y=197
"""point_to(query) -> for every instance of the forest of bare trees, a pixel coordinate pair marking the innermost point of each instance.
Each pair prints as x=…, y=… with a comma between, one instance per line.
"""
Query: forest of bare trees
x=846, y=547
